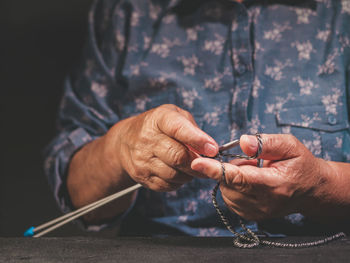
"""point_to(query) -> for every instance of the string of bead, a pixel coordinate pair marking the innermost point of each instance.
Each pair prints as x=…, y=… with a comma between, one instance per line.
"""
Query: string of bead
x=249, y=239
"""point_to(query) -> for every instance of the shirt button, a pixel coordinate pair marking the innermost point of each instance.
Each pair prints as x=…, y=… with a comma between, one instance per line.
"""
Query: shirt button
x=332, y=120
x=241, y=69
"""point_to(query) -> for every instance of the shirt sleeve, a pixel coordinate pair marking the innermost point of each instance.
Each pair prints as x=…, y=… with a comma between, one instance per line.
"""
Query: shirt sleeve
x=87, y=109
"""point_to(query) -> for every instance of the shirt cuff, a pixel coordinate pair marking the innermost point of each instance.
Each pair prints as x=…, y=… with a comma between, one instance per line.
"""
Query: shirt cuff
x=57, y=171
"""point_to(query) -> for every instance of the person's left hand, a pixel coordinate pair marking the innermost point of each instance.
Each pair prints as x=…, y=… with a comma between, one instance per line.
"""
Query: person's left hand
x=292, y=179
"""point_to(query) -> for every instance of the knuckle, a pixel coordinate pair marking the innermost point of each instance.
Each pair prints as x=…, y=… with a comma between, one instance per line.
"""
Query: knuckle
x=163, y=186
x=178, y=155
x=168, y=106
x=158, y=114
x=154, y=184
x=162, y=111
x=238, y=181
x=291, y=145
x=140, y=164
x=138, y=155
x=141, y=175
x=180, y=158
x=177, y=128
x=146, y=129
x=159, y=111
x=171, y=175
x=140, y=170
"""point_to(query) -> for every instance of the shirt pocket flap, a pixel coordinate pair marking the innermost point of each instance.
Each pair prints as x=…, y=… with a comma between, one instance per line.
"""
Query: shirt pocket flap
x=313, y=117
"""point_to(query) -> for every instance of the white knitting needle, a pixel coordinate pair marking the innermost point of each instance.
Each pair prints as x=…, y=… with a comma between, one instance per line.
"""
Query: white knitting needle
x=75, y=214
x=33, y=231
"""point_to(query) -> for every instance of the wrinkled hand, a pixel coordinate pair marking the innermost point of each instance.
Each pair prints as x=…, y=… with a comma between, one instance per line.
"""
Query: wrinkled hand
x=156, y=148
x=292, y=179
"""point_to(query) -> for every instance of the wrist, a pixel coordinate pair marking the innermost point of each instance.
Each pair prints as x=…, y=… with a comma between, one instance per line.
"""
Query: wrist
x=115, y=155
x=330, y=199
x=95, y=172
x=318, y=191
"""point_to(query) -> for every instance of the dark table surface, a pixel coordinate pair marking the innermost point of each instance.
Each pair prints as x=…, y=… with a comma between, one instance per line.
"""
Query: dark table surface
x=170, y=249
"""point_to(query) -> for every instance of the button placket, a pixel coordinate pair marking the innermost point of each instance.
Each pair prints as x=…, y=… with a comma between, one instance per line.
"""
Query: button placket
x=243, y=75
x=241, y=69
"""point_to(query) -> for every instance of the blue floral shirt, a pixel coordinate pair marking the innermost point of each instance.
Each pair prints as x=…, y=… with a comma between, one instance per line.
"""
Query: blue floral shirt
x=261, y=66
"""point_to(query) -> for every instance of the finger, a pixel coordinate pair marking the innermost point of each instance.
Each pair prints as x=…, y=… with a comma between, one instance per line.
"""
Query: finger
x=180, y=128
x=158, y=184
x=244, y=209
x=210, y=168
x=213, y=169
x=241, y=207
x=175, y=155
x=243, y=178
x=274, y=146
x=235, y=196
x=167, y=173
x=188, y=116
x=232, y=205
x=248, y=206
x=240, y=162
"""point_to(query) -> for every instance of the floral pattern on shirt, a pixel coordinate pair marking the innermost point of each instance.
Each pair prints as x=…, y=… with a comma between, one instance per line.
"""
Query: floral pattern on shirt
x=261, y=67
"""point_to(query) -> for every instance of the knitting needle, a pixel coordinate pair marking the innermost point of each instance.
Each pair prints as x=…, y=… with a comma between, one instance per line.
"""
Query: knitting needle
x=103, y=200
x=31, y=232
x=75, y=214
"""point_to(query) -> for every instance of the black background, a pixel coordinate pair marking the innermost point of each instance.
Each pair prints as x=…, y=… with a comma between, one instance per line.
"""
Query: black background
x=40, y=41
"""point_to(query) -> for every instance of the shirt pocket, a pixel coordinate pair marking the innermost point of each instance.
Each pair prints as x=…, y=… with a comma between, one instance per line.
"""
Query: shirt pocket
x=325, y=134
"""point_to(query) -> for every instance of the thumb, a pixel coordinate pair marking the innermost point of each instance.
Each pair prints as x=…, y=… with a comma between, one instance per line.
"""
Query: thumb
x=274, y=146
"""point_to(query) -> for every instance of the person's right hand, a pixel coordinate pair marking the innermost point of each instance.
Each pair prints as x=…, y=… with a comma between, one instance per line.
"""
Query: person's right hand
x=156, y=148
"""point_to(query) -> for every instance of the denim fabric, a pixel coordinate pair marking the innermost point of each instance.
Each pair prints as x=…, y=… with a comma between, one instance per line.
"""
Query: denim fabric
x=261, y=66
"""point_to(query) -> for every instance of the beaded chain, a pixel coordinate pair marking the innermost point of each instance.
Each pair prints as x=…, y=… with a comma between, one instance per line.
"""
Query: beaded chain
x=249, y=239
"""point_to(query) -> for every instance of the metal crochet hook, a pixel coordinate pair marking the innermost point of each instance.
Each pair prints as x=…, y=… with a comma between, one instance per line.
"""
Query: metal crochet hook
x=236, y=143
x=229, y=145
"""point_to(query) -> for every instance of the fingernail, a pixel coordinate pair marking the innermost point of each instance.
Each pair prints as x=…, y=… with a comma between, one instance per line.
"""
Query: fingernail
x=252, y=142
x=210, y=149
